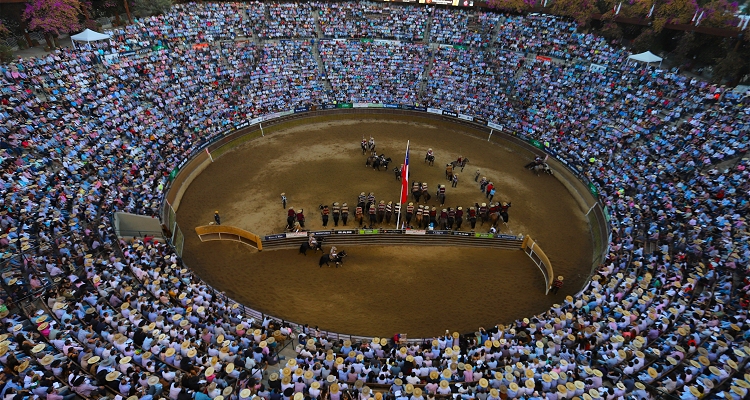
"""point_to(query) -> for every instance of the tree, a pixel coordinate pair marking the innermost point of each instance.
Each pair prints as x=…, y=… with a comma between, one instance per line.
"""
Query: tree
x=3, y=30
x=645, y=41
x=720, y=14
x=674, y=12
x=580, y=10
x=146, y=8
x=54, y=17
x=512, y=5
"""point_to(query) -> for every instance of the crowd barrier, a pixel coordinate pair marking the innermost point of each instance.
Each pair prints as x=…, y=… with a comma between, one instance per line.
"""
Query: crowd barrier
x=535, y=253
x=200, y=156
x=225, y=232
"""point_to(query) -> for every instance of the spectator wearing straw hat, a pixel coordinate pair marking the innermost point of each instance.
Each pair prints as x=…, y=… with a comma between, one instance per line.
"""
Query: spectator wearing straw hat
x=557, y=284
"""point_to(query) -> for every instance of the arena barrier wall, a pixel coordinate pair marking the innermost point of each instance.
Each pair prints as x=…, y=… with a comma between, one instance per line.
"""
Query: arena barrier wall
x=569, y=172
x=225, y=232
x=394, y=237
x=535, y=253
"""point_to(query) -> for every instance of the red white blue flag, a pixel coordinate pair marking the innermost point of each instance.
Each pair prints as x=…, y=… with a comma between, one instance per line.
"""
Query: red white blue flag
x=405, y=177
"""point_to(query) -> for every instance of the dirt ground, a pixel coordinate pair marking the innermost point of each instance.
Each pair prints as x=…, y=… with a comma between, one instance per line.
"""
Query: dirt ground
x=419, y=291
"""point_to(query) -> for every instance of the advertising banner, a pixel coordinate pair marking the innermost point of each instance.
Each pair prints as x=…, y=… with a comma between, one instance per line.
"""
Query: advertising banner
x=438, y=232
x=391, y=106
x=414, y=232
x=375, y=105
x=494, y=125
x=344, y=105
x=480, y=121
x=484, y=235
x=275, y=237
x=361, y=105
x=434, y=111
x=369, y=231
x=296, y=234
x=300, y=109
x=450, y=114
x=465, y=117
x=457, y=233
x=345, y=232
x=321, y=233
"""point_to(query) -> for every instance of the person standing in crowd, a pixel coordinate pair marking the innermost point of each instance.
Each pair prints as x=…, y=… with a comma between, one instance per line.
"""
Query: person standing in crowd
x=217, y=218
x=301, y=217
x=336, y=214
x=324, y=213
x=344, y=213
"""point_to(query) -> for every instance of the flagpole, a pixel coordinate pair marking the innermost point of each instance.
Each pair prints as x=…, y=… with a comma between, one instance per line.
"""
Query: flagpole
x=401, y=191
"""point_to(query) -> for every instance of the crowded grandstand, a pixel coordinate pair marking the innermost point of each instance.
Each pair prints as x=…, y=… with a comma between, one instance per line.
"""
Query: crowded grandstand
x=91, y=131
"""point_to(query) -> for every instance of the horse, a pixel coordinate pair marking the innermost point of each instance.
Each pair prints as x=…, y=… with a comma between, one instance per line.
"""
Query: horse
x=543, y=167
x=381, y=161
x=304, y=247
x=462, y=164
x=371, y=161
x=326, y=258
x=429, y=158
x=426, y=196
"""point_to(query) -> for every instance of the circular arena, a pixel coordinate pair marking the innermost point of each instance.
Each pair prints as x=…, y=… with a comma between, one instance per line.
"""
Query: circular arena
x=541, y=207
x=223, y=106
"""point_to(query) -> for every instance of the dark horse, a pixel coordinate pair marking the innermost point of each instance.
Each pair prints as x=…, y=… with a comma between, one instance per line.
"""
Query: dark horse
x=462, y=164
x=304, y=247
x=429, y=158
x=380, y=161
x=338, y=260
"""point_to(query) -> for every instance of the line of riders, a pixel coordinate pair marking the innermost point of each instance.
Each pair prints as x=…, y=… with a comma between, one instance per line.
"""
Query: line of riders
x=369, y=214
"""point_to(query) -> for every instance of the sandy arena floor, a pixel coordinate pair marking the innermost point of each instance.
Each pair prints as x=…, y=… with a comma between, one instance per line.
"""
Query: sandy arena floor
x=416, y=290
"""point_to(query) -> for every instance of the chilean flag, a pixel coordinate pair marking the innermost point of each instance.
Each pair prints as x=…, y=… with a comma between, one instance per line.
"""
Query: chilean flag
x=405, y=177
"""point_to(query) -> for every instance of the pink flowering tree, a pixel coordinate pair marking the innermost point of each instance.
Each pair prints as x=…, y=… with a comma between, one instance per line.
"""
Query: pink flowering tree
x=54, y=17
x=720, y=14
x=674, y=12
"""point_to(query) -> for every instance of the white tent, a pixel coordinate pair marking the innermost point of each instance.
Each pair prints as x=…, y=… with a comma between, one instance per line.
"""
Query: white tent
x=647, y=57
x=89, y=36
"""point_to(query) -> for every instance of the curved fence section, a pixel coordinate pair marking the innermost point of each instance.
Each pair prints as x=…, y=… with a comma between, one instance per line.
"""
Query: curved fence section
x=225, y=232
x=536, y=255
x=394, y=237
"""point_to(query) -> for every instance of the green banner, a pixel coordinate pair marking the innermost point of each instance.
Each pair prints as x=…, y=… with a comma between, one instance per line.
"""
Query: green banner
x=375, y=105
x=484, y=235
x=459, y=47
x=369, y=231
x=536, y=143
x=593, y=190
x=344, y=105
x=367, y=40
x=173, y=174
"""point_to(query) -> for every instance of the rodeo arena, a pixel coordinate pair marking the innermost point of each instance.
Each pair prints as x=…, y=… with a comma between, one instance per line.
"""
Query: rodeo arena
x=100, y=144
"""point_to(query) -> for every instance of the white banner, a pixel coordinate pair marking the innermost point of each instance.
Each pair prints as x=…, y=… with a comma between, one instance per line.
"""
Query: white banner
x=361, y=105
x=465, y=117
x=415, y=231
x=434, y=111
x=255, y=121
x=296, y=234
x=597, y=68
x=494, y=125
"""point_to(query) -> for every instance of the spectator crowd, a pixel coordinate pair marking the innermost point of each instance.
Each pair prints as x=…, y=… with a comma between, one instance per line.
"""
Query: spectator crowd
x=85, y=313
